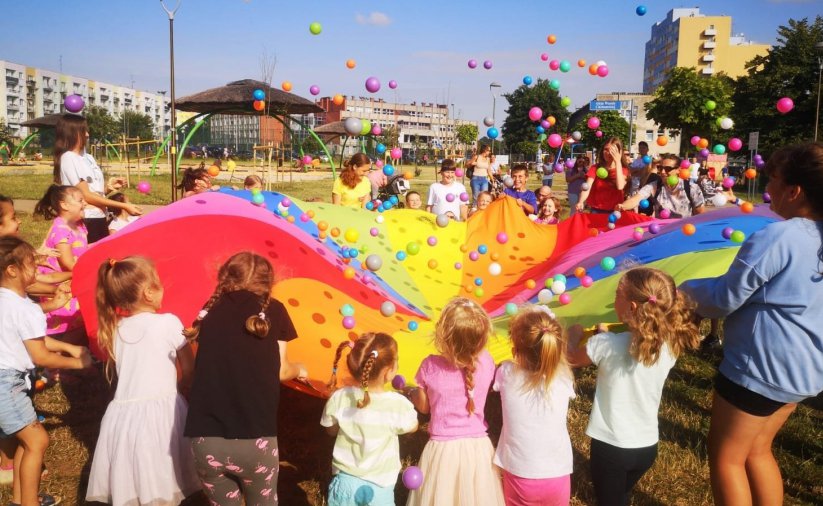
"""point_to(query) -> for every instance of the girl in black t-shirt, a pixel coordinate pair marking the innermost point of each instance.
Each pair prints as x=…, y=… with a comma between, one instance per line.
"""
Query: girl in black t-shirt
x=241, y=360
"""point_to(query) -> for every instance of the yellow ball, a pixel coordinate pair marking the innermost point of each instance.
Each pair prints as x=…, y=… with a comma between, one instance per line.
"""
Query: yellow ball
x=351, y=235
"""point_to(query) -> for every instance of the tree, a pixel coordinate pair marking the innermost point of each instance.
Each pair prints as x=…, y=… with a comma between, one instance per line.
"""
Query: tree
x=136, y=125
x=679, y=103
x=788, y=70
x=102, y=126
x=467, y=134
x=518, y=127
x=5, y=134
x=612, y=124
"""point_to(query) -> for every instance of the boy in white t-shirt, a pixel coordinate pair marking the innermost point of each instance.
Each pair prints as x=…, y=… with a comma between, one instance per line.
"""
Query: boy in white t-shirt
x=448, y=196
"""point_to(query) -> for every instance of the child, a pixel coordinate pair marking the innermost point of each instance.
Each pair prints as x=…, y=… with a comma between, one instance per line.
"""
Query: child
x=535, y=389
x=195, y=181
x=483, y=201
x=706, y=186
x=141, y=456
x=632, y=367
x=368, y=409
x=241, y=360
x=457, y=461
x=547, y=171
x=413, y=200
x=68, y=235
x=445, y=195
x=549, y=213
x=24, y=345
x=121, y=217
x=252, y=182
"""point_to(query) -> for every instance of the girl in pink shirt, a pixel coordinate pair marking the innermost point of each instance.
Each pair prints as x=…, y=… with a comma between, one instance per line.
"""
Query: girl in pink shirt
x=457, y=461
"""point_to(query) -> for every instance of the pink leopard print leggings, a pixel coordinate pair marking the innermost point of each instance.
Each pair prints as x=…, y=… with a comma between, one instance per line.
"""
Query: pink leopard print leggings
x=233, y=468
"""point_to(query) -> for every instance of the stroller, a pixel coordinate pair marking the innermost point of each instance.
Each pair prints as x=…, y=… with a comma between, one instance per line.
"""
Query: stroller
x=496, y=185
x=396, y=186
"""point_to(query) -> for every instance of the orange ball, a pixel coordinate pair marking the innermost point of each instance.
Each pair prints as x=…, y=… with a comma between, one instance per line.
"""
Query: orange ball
x=349, y=272
x=290, y=218
x=685, y=173
x=310, y=212
x=464, y=248
x=689, y=229
x=530, y=284
x=322, y=225
x=286, y=85
x=581, y=63
x=335, y=232
x=551, y=39
x=580, y=272
x=593, y=69
x=351, y=63
x=703, y=143
x=408, y=174
x=39, y=385
x=321, y=235
x=747, y=207
x=594, y=232
x=552, y=120
x=495, y=257
x=259, y=105
x=750, y=173
x=338, y=99
x=214, y=170
x=432, y=264
x=662, y=140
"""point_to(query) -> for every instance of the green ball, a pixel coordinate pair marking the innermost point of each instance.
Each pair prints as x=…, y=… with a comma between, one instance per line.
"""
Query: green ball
x=565, y=101
x=315, y=28
x=718, y=121
x=738, y=236
x=479, y=292
x=672, y=180
x=555, y=84
x=511, y=308
x=602, y=173
x=710, y=105
x=365, y=127
x=565, y=66
x=542, y=137
x=413, y=248
x=719, y=149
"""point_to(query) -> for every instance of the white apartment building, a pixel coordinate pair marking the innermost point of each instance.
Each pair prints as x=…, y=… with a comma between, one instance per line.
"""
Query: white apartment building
x=27, y=93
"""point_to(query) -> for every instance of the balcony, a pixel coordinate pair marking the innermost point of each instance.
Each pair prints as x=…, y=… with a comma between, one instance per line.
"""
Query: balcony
x=709, y=44
x=707, y=71
x=11, y=80
x=710, y=32
x=708, y=57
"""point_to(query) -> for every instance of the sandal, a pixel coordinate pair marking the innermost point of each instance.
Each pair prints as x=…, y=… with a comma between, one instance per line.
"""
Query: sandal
x=45, y=500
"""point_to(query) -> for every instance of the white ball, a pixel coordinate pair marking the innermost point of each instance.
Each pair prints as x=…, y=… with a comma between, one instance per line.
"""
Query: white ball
x=495, y=269
x=544, y=296
x=379, y=218
x=610, y=225
x=617, y=214
x=488, y=121
x=719, y=200
x=558, y=287
x=726, y=123
x=387, y=308
x=508, y=181
x=584, y=186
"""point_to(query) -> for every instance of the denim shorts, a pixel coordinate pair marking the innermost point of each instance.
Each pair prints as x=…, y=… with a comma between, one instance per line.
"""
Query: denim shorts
x=16, y=407
x=348, y=490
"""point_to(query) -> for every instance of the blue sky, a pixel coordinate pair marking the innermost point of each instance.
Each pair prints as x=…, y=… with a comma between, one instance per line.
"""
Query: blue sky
x=423, y=45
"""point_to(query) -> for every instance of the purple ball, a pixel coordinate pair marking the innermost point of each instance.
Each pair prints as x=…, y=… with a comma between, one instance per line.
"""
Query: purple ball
x=449, y=197
x=766, y=197
x=431, y=241
x=348, y=322
x=398, y=382
x=372, y=85
x=558, y=167
x=727, y=233
x=472, y=64
x=570, y=163
x=703, y=153
x=464, y=197
x=314, y=89
x=545, y=124
x=74, y=103
x=654, y=228
x=392, y=84
x=412, y=477
x=487, y=64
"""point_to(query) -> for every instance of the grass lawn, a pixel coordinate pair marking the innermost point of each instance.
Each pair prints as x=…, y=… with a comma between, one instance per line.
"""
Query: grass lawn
x=73, y=410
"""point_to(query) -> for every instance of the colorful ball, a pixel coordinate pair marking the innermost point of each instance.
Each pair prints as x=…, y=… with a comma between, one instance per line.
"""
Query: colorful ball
x=487, y=64
x=727, y=233
x=74, y=103
x=492, y=133
x=472, y=64
x=640, y=10
x=393, y=84
x=785, y=105
x=315, y=28
x=396, y=153
x=688, y=229
x=710, y=105
x=144, y=187
x=527, y=80
x=602, y=173
x=535, y=113
x=586, y=281
x=259, y=94
x=607, y=263
x=398, y=382
x=735, y=144
x=738, y=236
x=314, y=89
x=502, y=238
x=372, y=84
x=654, y=228
x=565, y=298
x=593, y=123
x=258, y=105
x=387, y=308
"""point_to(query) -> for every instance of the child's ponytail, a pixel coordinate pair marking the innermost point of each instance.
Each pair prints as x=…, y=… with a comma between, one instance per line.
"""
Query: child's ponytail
x=258, y=324
x=365, y=378
x=192, y=333
x=49, y=205
x=468, y=379
x=14, y=251
x=369, y=353
x=332, y=384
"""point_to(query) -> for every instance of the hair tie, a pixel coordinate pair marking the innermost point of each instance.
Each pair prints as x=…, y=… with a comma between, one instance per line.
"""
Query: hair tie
x=544, y=330
x=653, y=299
x=333, y=370
x=202, y=314
x=262, y=315
x=350, y=344
x=373, y=353
x=470, y=393
x=112, y=262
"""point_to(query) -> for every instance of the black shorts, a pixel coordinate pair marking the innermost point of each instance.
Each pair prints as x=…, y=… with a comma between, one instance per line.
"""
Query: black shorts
x=98, y=228
x=744, y=399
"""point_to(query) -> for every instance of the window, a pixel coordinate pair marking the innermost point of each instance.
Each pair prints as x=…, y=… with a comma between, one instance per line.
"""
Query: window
x=649, y=135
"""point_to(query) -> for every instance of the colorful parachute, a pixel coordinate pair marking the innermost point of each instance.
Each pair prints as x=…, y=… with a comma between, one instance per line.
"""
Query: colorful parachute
x=322, y=255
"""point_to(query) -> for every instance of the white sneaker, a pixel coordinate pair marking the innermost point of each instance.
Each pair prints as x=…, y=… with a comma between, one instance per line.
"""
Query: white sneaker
x=6, y=477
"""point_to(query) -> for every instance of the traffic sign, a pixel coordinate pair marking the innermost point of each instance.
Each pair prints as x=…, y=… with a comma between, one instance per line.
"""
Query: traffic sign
x=754, y=137
x=606, y=105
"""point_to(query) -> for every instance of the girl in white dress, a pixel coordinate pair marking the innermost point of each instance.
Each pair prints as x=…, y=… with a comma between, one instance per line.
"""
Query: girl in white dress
x=141, y=456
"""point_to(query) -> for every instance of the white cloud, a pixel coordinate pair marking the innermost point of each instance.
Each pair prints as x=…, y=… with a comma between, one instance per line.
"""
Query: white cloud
x=375, y=18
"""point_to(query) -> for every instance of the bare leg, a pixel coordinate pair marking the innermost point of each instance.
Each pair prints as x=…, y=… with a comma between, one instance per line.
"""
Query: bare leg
x=28, y=462
x=764, y=475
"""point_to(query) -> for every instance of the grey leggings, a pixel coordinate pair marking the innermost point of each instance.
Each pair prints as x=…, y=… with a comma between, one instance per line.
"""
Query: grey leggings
x=230, y=469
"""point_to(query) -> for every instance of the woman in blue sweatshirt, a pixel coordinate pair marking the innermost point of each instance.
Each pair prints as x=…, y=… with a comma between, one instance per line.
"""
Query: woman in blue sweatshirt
x=772, y=299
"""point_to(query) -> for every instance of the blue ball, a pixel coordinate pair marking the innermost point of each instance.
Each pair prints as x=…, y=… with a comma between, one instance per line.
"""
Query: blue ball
x=401, y=255
x=381, y=148
x=370, y=206
x=413, y=325
x=353, y=253
x=641, y=10
x=345, y=253
x=612, y=218
x=388, y=170
x=644, y=204
x=381, y=208
x=647, y=159
x=492, y=133
x=478, y=281
x=482, y=249
x=527, y=80
x=540, y=129
x=394, y=200
x=259, y=94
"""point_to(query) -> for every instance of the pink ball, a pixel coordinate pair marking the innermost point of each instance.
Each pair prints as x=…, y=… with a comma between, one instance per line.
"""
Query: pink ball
x=431, y=241
x=728, y=183
x=458, y=172
x=665, y=214
x=374, y=232
x=348, y=322
x=305, y=217
x=144, y=187
x=535, y=113
x=685, y=164
x=487, y=64
x=554, y=64
x=472, y=64
x=544, y=56
x=735, y=144
x=602, y=71
x=785, y=105
x=378, y=163
x=376, y=129
x=307, y=159
x=593, y=122
x=473, y=256
x=598, y=133
x=586, y=281
x=314, y=89
x=464, y=197
x=372, y=84
x=286, y=202
x=502, y=238
x=458, y=266
x=392, y=85
x=449, y=197
x=555, y=140
x=637, y=236
x=396, y=153
x=694, y=140
x=565, y=298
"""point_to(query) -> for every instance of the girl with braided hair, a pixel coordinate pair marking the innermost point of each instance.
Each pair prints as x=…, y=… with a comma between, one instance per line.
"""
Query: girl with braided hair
x=632, y=367
x=141, y=455
x=457, y=461
x=366, y=420
x=241, y=359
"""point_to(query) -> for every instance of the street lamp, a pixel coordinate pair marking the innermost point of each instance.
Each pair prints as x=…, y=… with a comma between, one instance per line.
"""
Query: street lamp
x=819, y=50
x=493, y=85
x=173, y=143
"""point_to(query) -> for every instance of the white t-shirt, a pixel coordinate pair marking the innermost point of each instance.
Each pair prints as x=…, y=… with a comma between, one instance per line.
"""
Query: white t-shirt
x=535, y=441
x=75, y=168
x=437, y=198
x=627, y=396
x=367, y=444
x=20, y=319
x=117, y=224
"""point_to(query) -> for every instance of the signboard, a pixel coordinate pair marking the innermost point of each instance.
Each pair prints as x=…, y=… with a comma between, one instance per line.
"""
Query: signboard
x=754, y=137
x=606, y=105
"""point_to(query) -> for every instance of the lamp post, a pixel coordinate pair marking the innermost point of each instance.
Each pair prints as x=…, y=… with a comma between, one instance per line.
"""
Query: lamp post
x=494, y=106
x=818, y=48
x=173, y=143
